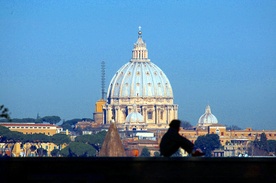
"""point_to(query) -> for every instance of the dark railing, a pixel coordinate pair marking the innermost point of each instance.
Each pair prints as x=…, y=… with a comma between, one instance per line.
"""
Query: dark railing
x=138, y=169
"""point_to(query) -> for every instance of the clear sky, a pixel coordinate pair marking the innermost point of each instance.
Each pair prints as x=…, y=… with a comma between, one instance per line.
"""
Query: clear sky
x=221, y=53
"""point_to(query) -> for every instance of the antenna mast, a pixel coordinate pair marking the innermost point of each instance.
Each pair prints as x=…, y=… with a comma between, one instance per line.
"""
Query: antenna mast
x=103, y=79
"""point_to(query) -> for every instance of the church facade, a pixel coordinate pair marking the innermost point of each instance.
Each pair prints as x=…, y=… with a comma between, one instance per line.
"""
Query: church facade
x=141, y=87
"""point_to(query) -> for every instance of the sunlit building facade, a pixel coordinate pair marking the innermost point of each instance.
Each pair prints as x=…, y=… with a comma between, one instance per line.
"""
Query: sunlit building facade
x=32, y=128
x=141, y=87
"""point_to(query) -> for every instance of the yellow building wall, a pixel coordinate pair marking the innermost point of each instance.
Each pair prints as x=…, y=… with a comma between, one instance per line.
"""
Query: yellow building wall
x=99, y=105
x=228, y=135
x=42, y=130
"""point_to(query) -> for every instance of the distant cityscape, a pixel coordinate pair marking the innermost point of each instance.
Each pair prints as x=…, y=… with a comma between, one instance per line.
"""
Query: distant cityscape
x=140, y=102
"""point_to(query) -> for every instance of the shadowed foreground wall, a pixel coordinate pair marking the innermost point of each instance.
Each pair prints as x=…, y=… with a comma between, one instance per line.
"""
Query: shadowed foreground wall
x=138, y=169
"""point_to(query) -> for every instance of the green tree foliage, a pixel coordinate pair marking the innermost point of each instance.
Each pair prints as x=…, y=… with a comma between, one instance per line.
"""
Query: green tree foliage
x=67, y=126
x=33, y=148
x=41, y=152
x=145, y=152
x=60, y=139
x=186, y=125
x=263, y=142
x=40, y=137
x=12, y=136
x=87, y=139
x=5, y=134
x=55, y=153
x=233, y=127
x=9, y=136
x=51, y=119
x=78, y=149
x=207, y=143
x=4, y=112
x=259, y=147
x=96, y=140
x=156, y=154
x=272, y=146
x=70, y=124
x=4, y=130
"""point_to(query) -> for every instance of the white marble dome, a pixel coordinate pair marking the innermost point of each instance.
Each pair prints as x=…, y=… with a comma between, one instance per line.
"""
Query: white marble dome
x=207, y=118
x=143, y=83
x=140, y=77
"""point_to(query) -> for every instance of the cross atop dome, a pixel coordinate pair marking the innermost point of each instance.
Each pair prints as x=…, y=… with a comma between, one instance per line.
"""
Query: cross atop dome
x=139, y=32
x=140, y=52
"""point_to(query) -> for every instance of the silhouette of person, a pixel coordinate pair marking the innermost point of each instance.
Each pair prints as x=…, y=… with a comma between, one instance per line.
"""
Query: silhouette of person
x=172, y=141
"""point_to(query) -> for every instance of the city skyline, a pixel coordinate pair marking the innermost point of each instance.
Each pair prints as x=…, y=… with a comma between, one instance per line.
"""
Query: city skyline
x=220, y=54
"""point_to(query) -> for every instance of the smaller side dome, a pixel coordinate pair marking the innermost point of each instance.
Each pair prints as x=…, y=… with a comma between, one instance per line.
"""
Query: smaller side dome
x=135, y=120
x=134, y=117
x=207, y=118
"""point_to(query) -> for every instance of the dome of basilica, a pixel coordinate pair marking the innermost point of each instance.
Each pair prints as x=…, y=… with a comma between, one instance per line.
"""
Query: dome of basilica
x=140, y=77
x=207, y=118
x=144, y=84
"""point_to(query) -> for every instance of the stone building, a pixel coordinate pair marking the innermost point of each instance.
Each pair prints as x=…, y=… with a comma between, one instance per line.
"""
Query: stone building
x=31, y=128
x=144, y=84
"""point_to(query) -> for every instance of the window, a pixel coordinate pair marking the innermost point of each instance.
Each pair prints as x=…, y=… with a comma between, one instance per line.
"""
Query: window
x=150, y=115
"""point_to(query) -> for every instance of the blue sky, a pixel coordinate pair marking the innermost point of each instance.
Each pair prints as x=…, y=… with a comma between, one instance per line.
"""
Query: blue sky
x=221, y=53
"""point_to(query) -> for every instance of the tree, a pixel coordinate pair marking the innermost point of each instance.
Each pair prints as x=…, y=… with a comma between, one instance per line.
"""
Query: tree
x=60, y=139
x=51, y=119
x=207, y=143
x=71, y=122
x=41, y=152
x=55, y=152
x=233, y=127
x=4, y=112
x=156, y=154
x=39, y=137
x=263, y=142
x=3, y=130
x=10, y=136
x=96, y=140
x=186, y=125
x=145, y=152
x=33, y=148
x=259, y=147
x=272, y=146
x=67, y=126
x=78, y=149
